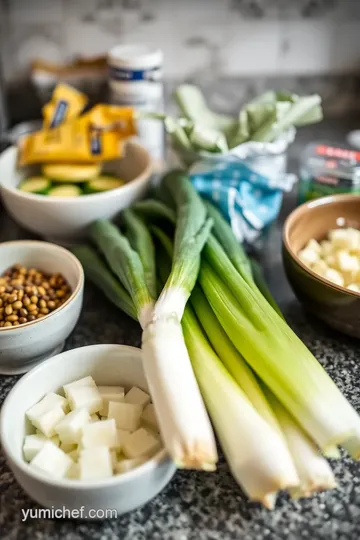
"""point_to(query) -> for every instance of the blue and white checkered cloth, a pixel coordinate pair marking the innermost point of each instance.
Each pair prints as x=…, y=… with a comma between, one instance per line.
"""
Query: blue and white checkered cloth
x=250, y=200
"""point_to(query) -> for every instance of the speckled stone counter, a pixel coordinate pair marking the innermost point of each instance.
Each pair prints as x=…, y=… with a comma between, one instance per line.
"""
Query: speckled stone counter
x=210, y=506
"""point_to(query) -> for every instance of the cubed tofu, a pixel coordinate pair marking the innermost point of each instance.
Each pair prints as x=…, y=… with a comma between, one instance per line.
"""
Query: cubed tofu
x=74, y=454
x=32, y=445
x=47, y=420
x=110, y=393
x=334, y=276
x=68, y=448
x=149, y=417
x=69, y=429
x=51, y=460
x=95, y=463
x=326, y=248
x=99, y=434
x=126, y=465
x=343, y=238
x=114, y=459
x=47, y=413
x=84, y=397
x=49, y=401
x=74, y=472
x=94, y=418
x=136, y=396
x=85, y=381
x=126, y=415
x=55, y=439
x=331, y=261
x=354, y=287
x=141, y=443
x=347, y=262
x=314, y=246
x=121, y=435
x=320, y=267
x=308, y=256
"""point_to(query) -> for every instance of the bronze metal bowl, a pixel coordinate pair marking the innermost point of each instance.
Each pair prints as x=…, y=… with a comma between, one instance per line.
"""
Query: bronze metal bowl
x=335, y=305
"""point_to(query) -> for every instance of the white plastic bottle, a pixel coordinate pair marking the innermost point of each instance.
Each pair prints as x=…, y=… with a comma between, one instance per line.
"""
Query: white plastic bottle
x=136, y=79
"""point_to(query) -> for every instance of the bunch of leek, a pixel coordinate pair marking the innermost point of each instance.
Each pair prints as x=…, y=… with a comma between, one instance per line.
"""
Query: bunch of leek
x=240, y=348
x=182, y=416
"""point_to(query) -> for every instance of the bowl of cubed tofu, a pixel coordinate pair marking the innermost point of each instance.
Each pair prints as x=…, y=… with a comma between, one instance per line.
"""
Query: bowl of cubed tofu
x=321, y=254
x=80, y=432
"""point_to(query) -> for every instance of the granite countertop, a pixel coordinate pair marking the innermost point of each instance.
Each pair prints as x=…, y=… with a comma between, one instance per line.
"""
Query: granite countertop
x=210, y=506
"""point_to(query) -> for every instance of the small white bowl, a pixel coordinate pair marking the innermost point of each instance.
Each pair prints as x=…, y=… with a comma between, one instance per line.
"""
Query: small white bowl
x=108, y=365
x=62, y=219
x=24, y=346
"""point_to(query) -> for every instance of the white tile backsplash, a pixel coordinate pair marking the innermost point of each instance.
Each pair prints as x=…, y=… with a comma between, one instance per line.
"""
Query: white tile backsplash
x=200, y=38
x=306, y=47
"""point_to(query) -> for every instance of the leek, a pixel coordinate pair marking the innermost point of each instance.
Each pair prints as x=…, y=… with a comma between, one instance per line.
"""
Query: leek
x=140, y=239
x=257, y=456
x=191, y=233
x=230, y=357
x=314, y=471
x=97, y=272
x=275, y=353
x=163, y=338
x=223, y=233
x=262, y=286
x=183, y=421
x=125, y=262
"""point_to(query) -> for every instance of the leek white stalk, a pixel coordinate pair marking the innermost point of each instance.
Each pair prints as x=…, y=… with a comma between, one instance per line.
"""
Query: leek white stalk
x=257, y=455
x=314, y=471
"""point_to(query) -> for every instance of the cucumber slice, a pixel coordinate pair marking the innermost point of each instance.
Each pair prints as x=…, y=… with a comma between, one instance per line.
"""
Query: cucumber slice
x=71, y=173
x=35, y=184
x=67, y=190
x=103, y=183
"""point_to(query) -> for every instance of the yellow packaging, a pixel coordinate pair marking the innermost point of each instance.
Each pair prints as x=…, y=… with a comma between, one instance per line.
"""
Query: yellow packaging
x=66, y=103
x=96, y=136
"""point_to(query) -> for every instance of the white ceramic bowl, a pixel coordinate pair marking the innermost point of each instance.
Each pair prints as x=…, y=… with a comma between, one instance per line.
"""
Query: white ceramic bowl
x=23, y=346
x=108, y=365
x=63, y=219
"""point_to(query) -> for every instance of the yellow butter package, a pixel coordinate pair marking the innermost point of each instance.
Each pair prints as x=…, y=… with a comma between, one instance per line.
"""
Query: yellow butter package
x=96, y=136
x=66, y=103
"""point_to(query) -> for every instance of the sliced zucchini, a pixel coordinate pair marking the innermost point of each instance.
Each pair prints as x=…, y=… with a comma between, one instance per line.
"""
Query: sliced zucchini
x=35, y=184
x=67, y=190
x=71, y=173
x=103, y=183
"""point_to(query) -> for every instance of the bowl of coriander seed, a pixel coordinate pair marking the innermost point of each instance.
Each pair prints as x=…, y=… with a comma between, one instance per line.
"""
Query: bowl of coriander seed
x=41, y=294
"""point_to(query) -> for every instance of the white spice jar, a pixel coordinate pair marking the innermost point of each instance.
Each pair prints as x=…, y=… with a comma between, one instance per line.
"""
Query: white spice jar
x=136, y=79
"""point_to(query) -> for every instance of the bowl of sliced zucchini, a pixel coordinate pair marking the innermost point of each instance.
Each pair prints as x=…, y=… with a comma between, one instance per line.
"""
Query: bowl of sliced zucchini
x=59, y=201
